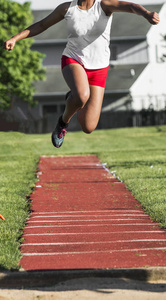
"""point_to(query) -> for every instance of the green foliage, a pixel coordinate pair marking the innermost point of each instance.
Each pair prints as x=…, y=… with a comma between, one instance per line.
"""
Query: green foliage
x=22, y=66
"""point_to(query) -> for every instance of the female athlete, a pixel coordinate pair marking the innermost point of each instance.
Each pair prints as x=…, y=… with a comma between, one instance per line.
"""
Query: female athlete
x=85, y=59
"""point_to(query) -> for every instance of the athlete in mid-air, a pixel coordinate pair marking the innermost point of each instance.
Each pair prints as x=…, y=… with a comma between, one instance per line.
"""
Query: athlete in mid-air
x=85, y=59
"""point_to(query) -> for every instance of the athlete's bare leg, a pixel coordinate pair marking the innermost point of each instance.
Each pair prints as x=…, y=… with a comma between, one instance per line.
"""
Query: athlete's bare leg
x=84, y=99
x=89, y=115
x=77, y=81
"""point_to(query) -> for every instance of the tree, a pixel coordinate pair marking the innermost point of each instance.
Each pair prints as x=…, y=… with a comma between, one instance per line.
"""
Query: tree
x=20, y=67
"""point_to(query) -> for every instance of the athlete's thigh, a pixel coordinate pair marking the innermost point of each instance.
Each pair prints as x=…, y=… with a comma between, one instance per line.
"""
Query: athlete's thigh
x=90, y=114
x=76, y=78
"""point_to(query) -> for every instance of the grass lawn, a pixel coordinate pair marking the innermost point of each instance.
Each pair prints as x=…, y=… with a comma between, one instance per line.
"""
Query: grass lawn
x=138, y=155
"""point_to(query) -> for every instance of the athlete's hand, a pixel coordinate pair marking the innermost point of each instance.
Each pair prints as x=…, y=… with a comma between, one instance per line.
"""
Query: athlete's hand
x=153, y=18
x=9, y=44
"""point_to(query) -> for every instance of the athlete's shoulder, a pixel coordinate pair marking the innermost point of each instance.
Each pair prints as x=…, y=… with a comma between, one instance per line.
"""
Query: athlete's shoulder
x=107, y=6
x=66, y=4
x=63, y=8
x=109, y=2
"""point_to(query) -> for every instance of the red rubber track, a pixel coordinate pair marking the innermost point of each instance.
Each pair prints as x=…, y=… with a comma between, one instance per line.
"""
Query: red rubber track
x=84, y=218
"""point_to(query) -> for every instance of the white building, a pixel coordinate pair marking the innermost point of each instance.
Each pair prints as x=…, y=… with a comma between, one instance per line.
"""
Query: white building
x=140, y=43
x=151, y=84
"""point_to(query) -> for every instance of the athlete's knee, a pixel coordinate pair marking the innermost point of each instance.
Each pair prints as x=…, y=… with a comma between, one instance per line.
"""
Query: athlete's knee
x=88, y=128
x=81, y=98
x=87, y=131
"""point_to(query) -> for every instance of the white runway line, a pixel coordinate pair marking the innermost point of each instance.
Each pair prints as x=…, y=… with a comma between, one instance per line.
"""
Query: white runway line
x=64, y=221
x=95, y=216
x=94, y=243
x=92, y=225
x=89, y=211
x=92, y=233
x=93, y=252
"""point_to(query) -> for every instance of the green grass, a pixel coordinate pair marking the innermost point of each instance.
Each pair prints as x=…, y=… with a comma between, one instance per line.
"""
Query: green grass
x=138, y=155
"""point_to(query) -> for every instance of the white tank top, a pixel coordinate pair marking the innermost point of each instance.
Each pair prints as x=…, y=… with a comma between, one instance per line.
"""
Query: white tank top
x=88, y=35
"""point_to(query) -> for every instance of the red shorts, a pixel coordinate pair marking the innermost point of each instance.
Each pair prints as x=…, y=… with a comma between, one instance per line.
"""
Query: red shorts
x=96, y=77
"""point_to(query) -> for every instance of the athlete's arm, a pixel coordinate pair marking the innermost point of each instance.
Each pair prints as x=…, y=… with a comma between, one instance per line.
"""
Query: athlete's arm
x=56, y=16
x=110, y=6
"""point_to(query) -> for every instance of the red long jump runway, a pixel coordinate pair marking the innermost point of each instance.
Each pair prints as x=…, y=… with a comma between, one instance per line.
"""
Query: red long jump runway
x=84, y=218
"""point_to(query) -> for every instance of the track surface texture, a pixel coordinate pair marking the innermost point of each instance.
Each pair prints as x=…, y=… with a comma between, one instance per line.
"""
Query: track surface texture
x=84, y=218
